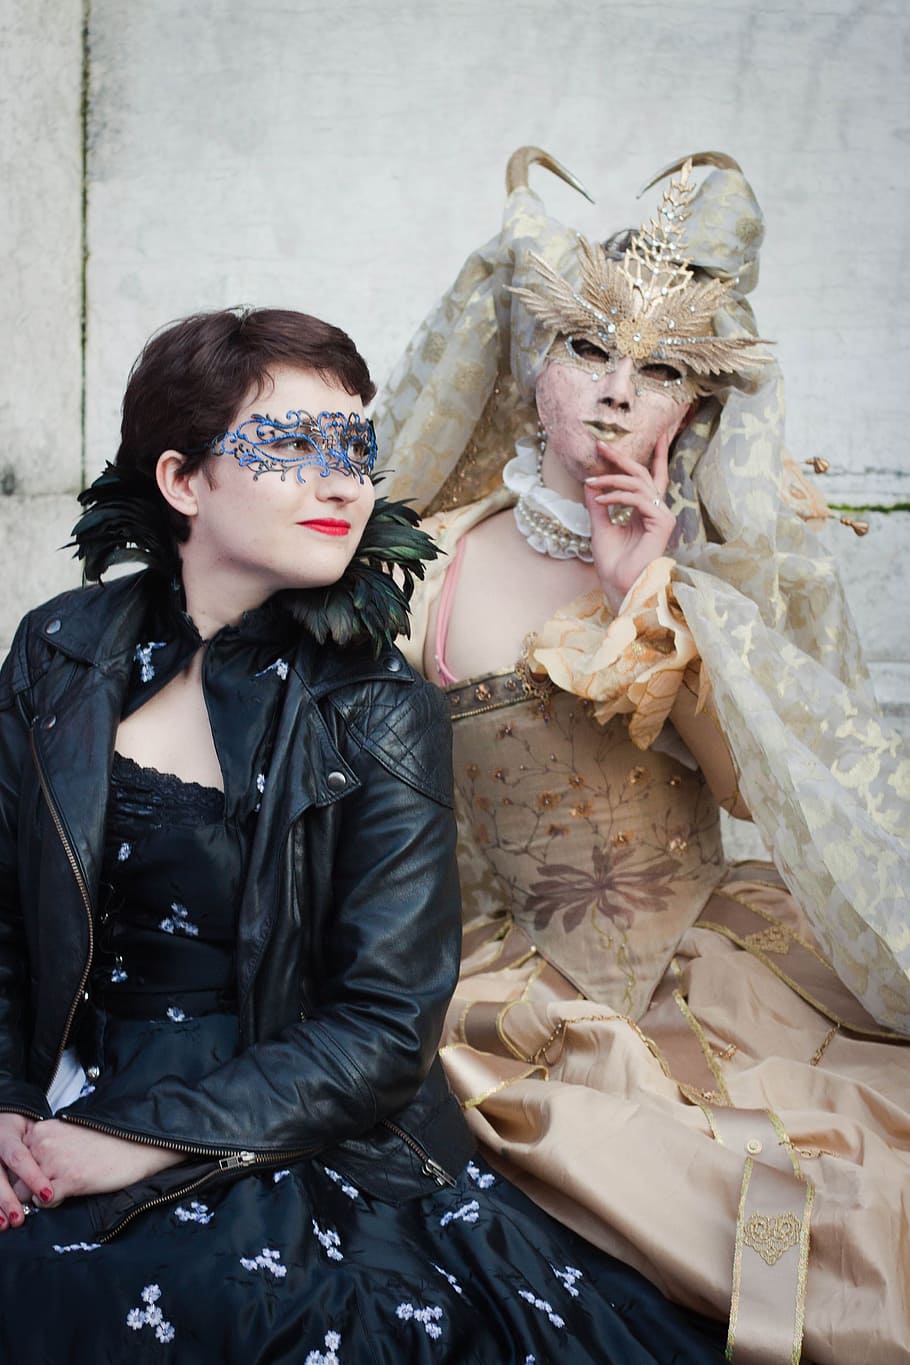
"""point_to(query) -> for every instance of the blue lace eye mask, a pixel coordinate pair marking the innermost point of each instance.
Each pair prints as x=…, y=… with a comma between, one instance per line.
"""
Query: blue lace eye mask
x=330, y=440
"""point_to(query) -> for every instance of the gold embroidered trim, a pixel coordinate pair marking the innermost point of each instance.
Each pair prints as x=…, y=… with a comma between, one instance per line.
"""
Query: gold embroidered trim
x=825, y=1010
x=785, y=1140
x=772, y=919
x=823, y=1046
x=738, y=1260
x=722, y=1095
x=774, y=939
x=802, y=1277
x=772, y=1235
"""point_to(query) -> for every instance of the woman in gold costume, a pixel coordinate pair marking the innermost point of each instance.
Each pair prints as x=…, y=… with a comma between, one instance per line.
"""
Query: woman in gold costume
x=697, y=1065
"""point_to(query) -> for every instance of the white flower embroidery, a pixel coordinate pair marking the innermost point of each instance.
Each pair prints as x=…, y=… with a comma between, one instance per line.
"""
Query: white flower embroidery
x=119, y=972
x=176, y=1014
x=329, y=1356
x=543, y=1306
x=260, y=783
x=568, y=1277
x=266, y=1260
x=483, y=1180
x=196, y=1213
x=151, y=1315
x=279, y=1176
x=428, y=1317
x=280, y=666
x=87, y=1089
x=468, y=1213
x=76, y=1246
x=330, y=1240
x=350, y=1190
x=124, y=851
x=143, y=657
x=451, y=1278
x=178, y=921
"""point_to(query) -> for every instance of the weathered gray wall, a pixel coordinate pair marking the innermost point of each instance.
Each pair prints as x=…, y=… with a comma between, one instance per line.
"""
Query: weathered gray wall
x=343, y=159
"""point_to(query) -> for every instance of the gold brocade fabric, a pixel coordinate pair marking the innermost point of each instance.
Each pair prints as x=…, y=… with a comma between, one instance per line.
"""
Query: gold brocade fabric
x=603, y=855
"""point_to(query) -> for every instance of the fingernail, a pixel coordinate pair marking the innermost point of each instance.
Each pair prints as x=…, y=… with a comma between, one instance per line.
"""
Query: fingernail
x=46, y=1194
x=15, y=1219
x=2, y=1221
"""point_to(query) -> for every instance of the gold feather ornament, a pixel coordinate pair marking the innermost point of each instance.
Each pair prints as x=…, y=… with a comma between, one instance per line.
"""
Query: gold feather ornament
x=648, y=305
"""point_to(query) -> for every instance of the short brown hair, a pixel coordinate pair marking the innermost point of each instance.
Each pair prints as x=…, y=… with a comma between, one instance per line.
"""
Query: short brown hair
x=191, y=377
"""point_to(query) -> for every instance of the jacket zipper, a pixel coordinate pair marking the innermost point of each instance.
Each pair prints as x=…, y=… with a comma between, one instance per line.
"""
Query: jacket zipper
x=430, y=1167
x=228, y=1160
x=83, y=891
x=228, y=1157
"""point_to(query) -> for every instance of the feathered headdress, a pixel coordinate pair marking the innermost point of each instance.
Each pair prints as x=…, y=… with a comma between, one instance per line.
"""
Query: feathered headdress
x=648, y=305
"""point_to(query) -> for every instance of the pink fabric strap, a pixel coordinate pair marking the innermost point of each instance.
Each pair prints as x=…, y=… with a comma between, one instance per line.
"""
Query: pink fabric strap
x=445, y=612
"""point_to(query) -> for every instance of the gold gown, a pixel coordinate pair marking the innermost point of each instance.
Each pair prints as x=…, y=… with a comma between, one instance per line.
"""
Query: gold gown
x=651, y=1042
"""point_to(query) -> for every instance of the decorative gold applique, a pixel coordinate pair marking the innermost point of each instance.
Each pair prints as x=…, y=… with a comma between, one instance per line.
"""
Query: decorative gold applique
x=621, y=839
x=772, y=1235
x=482, y=692
x=774, y=939
x=823, y=1046
x=678, y=844
x=637, y=775
x=675, y=781
x=582, y=810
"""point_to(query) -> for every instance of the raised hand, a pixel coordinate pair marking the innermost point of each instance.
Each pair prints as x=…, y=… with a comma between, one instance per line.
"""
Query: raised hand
x=621, y=553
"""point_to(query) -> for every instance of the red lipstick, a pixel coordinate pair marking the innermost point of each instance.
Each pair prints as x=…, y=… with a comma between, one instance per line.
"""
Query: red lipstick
x=327, y=526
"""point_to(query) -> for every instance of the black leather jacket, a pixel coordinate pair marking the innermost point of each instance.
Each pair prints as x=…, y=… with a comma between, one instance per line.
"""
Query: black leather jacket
x=348, y=935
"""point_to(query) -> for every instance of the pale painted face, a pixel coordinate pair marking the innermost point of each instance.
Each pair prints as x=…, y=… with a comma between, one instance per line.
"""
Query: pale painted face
x=270, y=532
x=578, y=407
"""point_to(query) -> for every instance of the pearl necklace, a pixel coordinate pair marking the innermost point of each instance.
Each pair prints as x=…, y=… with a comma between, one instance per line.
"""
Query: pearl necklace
x=551, y=524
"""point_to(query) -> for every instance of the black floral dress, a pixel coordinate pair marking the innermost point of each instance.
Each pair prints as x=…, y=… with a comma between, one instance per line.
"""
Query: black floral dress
x=295, y=1265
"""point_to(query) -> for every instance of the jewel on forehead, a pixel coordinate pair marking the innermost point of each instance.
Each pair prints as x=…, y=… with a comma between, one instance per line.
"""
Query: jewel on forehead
x=325, y=442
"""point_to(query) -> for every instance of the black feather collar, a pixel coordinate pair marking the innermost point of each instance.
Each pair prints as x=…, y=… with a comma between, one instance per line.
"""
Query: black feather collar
x=125, y=520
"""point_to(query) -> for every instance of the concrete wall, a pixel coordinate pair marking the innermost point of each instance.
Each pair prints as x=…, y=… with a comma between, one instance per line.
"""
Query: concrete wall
x=343, y=159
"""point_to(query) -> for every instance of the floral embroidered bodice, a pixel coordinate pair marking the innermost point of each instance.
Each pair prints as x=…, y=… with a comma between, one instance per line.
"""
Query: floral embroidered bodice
x=604, y=854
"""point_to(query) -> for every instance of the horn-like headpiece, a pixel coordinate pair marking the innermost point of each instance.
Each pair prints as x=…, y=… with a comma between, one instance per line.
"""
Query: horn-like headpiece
x=648, y=305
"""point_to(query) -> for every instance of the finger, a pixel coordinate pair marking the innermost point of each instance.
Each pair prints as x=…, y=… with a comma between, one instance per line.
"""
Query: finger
x=627, y=463
x=660, y=465
x=11, y=1214
x=653, y=511
x=608, y=482
x=21, y=1164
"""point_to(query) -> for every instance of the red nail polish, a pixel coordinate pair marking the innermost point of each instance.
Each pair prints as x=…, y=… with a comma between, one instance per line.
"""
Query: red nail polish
x=46, y=1194
x=15, y=1219
x=2, y=1221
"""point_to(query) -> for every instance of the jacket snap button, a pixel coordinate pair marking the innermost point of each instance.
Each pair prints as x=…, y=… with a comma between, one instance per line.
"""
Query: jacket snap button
x=93, y=1072
x=394, y=665
x=49, y=722
x=53, y=625
x=336, y=782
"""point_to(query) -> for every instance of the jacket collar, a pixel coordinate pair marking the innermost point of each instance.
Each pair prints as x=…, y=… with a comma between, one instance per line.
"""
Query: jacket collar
x=101, y=624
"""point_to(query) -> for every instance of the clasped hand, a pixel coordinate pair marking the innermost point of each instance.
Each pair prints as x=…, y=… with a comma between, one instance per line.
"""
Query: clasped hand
x=621, y=553
x=47, y=1161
